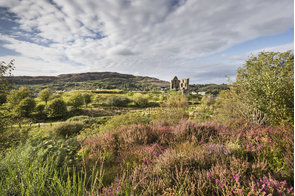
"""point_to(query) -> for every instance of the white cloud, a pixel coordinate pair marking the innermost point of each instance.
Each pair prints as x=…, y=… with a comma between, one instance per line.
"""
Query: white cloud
x=139, y=36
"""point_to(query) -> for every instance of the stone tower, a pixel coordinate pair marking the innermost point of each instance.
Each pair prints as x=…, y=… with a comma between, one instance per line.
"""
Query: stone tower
x=181, y=85
x=174, y=84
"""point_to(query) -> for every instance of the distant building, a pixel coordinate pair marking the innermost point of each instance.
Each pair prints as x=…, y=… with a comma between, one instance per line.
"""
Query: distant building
x=179, y=85
x=202, y=93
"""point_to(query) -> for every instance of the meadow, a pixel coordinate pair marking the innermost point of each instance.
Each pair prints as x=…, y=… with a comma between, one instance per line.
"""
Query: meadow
x=115, y=142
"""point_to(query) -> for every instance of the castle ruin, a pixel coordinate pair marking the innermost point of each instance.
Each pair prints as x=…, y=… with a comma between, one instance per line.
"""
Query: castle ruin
x=179, y=85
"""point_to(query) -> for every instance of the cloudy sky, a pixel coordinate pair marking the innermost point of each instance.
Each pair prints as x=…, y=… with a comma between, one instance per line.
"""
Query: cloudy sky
x=205, y=40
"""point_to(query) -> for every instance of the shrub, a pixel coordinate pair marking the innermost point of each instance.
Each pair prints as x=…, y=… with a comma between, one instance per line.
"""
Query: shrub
x=141, y=100
x=193, y=132
x=40, y=108
x=67, y=129
x=264, y=89
x=87, y=99
x=25, y=107
x=15, y=96
x=118, y=101
x=56, y=109
x=76, y=100
x=138, y=134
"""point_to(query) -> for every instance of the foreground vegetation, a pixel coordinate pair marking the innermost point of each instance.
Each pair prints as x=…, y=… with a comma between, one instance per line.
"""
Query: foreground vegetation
x=153, y=143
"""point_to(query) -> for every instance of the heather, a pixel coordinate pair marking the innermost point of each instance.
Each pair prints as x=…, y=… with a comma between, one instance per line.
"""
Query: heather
x=111, y=142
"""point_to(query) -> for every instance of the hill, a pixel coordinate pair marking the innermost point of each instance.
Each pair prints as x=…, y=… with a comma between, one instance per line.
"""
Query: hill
x=90, y=80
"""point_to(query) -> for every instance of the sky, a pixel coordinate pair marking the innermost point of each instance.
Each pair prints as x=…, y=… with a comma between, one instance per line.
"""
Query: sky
x=203, y=40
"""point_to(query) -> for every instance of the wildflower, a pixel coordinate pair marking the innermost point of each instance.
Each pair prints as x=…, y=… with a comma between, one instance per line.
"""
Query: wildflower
x=253, y=187
x=284, y=182
x=236, y=177
x=290, y=190
x=208, y=174
x=217, y=181
x=201, y=142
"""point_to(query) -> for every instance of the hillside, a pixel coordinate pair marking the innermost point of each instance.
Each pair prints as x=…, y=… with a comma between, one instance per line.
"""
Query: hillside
x=90, y=80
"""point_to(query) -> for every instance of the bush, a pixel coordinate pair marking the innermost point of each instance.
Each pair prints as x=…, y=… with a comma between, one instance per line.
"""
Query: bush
x=67, y=129
x=264, y=89
x=25, y=107
x=141, y=100
x=87, y=99
x=76, y=100
x=40, y=108
x=56, y=109
x=118, y=101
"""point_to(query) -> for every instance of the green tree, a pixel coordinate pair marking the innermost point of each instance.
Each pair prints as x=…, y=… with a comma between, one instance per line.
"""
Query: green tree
x=40, y=109
x=5, y=70
x=56, y=108
x=87, y=99
x=45, y=94
x=76, y=100
x=25, y=107
x=15, y=96
x=264, y=88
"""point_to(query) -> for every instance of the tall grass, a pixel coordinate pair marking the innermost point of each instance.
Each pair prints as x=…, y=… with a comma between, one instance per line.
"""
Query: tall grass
x=24, y=173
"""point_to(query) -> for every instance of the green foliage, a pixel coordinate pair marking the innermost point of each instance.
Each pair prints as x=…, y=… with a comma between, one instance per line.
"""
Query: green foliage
x=40, y=108
x=5, y=70
x=76, y=100
x=67, y=129
x=88, y=121
x=56, y=109
x=266, y=83
x=176, y=101
x=141, y=100
x=15, y=96
x=212, y=89
x=203, y=111
x=263, y=91
x=45, y=167
x=118, y=101
x=87, y=99
x=126, y=119
x=45, y=94
x=25, y=107
x=2, y=97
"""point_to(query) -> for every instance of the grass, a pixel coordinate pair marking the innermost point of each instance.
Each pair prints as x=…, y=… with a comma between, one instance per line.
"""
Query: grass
x=153, y=151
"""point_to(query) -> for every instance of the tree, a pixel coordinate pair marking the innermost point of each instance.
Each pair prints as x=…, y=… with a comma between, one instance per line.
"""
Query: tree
x=40, y=109
x=45, y=94
x=56, y=108
x=25, y=107
x=15, y=96
x=5, y=70
x=76, y=100
x=87, y=99
x=264, y=88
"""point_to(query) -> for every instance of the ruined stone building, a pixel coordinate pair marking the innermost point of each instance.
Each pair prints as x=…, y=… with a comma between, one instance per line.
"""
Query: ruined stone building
x=179, y=85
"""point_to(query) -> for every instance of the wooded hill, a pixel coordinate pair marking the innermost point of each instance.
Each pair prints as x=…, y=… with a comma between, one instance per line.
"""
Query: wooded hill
x=90, y=80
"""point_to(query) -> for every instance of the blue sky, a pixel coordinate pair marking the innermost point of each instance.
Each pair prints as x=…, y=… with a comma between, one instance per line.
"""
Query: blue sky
x=203, y=40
